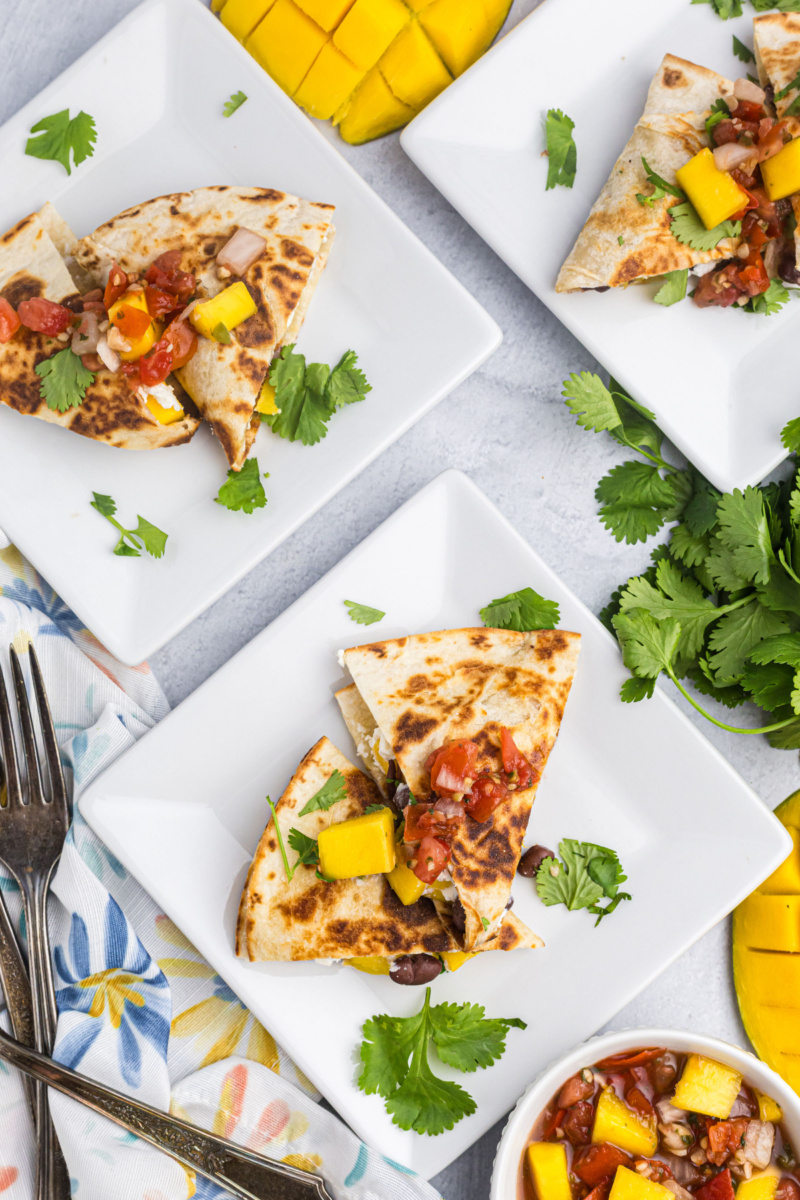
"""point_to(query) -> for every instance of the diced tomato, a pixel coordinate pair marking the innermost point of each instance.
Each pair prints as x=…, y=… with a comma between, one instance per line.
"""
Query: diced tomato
x=416, y=829
x=719, y=288
x=159, y=302
x=748, y=110
x=753, y=277
x=770, y=141
x=165, y=273
x=44, y=316
x=453, y=768
x=718, y=1188
x=724, y=132
x=636, y=1099
x=156, y=366
x=596, y=1163
x=748, y=182
x=117, y=283
x=602, y=1190
x=753, y=231
x=515, y=763
x=725, y=1138
x=487, y=793
x=180, y=335
x=577, y=1124
x=621, y=1062
x=9, y=321
x=552, y=1122
x=431, y=859
x=131, y=322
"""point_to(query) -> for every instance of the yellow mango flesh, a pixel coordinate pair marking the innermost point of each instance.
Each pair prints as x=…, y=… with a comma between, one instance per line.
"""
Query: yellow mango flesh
x=164, y=416
x=760, y=1186
x=547, y=1164
x=140, y=345
x=768, y=1109
x=266, y=399
x=229, y=308
x=370, y=966
x=371, y=65
x=781, y=174
x=363, y=846
x=242, y=16
x=404, y=882
x=707, y=1087
x=616, y=1123
x=628, y=1185
x=766, y=958
x=453, y=959
x=714, y=193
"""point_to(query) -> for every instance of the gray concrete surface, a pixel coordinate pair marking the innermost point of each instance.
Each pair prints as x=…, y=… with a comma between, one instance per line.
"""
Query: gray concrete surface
x=506, y=427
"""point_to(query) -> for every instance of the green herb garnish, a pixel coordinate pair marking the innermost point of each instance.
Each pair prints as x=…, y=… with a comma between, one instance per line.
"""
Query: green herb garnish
x=306, y=847
x=362, y=614
x=562, y=153
x=673, y=287
x=586, y=874
x=131, y=542
x=523, y=611
x=660, y=187
x=742, y=52
x=64, y=380
x=308, y=396
x=333, y=790
x=61, y=138
x=687, y=227
x=243, y=490
x=236, y=101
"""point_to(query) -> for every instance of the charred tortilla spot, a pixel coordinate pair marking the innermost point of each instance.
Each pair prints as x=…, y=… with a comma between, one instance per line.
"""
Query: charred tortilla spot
x=412, y=728
x=673, y=78
x=549, y=643
x=418, y=683
x=22, y=286
x=18, y=229
x=480, y=641
x=294, y=252
x=267, y=196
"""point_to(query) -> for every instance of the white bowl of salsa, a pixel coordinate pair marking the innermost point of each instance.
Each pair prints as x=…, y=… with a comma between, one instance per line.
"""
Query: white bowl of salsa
x=635, y=1119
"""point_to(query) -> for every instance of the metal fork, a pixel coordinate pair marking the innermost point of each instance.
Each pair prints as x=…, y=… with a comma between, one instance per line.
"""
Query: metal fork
x=32, y=832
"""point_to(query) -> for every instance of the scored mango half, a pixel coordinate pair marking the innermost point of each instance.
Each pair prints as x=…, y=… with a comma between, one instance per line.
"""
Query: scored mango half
x=766, y=958
x=367, y=65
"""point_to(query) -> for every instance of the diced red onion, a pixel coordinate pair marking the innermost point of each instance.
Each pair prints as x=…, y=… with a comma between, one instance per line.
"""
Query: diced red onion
x=94, y=294
x=448, y=807
x=107, y=356
x=745, y=89
x=241, y=251
x=86, y=335
x=731, y=155
x=183, y=315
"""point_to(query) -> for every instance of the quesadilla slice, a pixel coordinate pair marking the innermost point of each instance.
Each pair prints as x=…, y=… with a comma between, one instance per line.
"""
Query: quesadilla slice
x=272, y=245
x=776, y=41
x=43, y=317
x=468, y=717
x=353, y=919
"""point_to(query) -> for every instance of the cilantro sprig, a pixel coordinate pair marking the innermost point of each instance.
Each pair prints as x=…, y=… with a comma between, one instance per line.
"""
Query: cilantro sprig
x=719, y=591
x=243, y=490
x=305, y=847
x=673, y=287
x=332, y=790
x=362, y=614
x=64, y=380
x=131, y=542
x=742, y=52
x=733, y=8
x=395, y=1061
x=769, y=302
x=523, y=611
x=586, y=874
x=236, y=101
x=687, y=227
x=307, y=396
x=562, y=153
x=62, y=139
x=660, y=187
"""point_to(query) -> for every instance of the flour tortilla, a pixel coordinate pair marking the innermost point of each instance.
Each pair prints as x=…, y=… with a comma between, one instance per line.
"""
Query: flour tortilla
x=225, y=380
x=776, y=39
x=670, y=132
x=432, y=688
x=31, y=265
x=308, y=919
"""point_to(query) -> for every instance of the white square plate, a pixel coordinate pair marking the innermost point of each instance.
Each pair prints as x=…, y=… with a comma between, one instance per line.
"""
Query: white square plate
x=416, y=330
x=184, y=810
x=722, y=384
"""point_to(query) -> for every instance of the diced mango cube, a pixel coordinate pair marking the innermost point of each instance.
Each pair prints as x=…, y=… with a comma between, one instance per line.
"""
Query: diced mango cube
x=327, y=85
x=372, y=111
x=707, y=1087
x=776, y=978
x=148, y=339
x=628, y=1185
x=770, y=922
x=407, y=887
x=362, y=846
x=781, y=174
x=760, y=1186
x=785, y=879
x=453, y=959
x=229, y=307
x=240, y=17
x=368, y=30
x=547, y=1163
x=462, y=32
x=413, y=69
x=326, y=13
x=286, y=43
x=715, y=194
x=768, y=1109
x=370, y=966
x=616, y=1123
x=164, y=416
x=266, y=399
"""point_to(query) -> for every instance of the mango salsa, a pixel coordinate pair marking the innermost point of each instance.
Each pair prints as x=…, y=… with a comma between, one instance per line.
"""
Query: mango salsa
x=266, y=399
x=164, y=416
x=362, y=846
x=616, y=1123
x=768, y=1109
x=707, y=1087
x=229, y=308
x=714, y=193
x=370, y=65
x=405, y=883
x=148, y=339
x=370, y=966
x=762, y=1185
x=628, y=1185
x=453, y=959
x=547, y=1163
x=781, y=174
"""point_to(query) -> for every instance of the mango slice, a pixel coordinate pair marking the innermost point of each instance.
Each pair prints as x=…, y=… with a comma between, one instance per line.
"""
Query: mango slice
x=547, y=1163
x=229, y=308
x=148, y=339
x=715, y=194
x=616, y=1123
x=453, y=959
x=707, y=1087
x=412, y=68
x=628, y=1185
x=361, y=846
x=762, y=1185
x=327, y=85
x=285, y=44
x=463, y=32
x=242, y=16
x=370, y=966
x=768, y=1109
x=771, y=923
x=369, y=29
x=266, y=399
x=407, y=887
x=164, y=416
x=781, y=174
x=327, y=13
x=372, y=111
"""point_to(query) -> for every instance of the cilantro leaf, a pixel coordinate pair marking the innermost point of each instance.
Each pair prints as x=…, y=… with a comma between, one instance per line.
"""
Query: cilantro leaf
x=724, y=8
x=648, y=646
x=676, y=596
x=687, y=227
x=371, y=808
x=790, y=87
x=306, y=847
x=585, y=875
x=243, y=490
x=131, y=542
x=523, y=611
x=790, y=435
x=719, y=111
x=333, y=790
x=744, y=529
x=598, y=407
x=347, y=383
x=635, y=689
x=661, y=187
x=562, y=153
x=362, y=614
x=236, y=101
x=783, y=648
x=742, y=52
x=221, y=333
x=732, y=642
x=61, y=138
x=769, y=302
x=673, y=288
x=415, y=1097
x=308, y=396
x=64, y=380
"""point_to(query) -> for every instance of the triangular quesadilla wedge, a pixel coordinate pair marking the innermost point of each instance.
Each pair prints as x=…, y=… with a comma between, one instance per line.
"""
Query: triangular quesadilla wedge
x=465, y=685
x=225, y=380
x=624, y=240
x=32, y=266
x=307, y=918
x=776, y=40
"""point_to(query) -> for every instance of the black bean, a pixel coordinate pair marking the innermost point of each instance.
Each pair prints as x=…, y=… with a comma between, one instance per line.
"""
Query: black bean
x=415, y=969
x=532, y=859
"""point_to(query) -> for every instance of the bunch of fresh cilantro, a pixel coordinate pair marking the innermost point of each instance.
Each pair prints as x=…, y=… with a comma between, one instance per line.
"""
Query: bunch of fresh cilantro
x=395, y=1057
x=720, y=604
x=307, y=396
